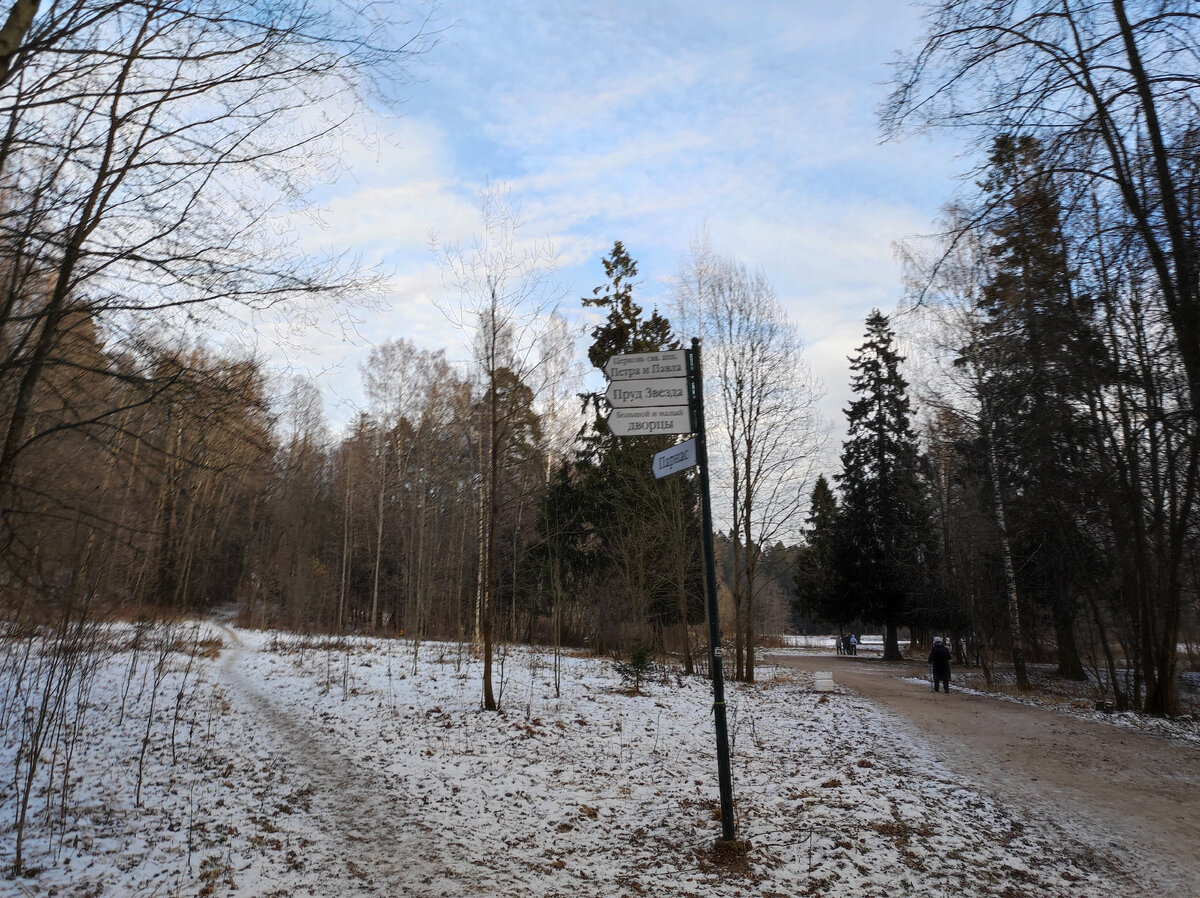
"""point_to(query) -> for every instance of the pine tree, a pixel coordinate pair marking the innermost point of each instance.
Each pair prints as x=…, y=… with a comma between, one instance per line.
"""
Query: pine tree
x=882, y=534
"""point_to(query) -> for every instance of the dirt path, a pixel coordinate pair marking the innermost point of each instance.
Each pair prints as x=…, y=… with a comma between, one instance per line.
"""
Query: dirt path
x=1134, y=796
x=358, y=833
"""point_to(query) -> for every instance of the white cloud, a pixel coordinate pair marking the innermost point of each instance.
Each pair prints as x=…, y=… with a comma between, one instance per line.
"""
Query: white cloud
x=643, y=122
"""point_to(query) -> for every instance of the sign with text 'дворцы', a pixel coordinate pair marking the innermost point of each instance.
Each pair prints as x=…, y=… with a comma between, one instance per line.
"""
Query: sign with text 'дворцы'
x=648, y=422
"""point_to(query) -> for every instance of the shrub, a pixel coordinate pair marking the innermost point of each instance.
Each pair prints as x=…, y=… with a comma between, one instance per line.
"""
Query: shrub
x=637, y=668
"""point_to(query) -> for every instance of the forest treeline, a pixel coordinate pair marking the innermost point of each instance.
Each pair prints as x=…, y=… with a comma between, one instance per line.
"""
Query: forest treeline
x=1020, y=467
x=1054, y=323
x=193, y=482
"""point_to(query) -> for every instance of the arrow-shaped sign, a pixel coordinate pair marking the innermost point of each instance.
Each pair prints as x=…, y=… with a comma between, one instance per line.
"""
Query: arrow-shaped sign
x=643, y=365
x=648, y=422
x=677, y=458
x=643, y=393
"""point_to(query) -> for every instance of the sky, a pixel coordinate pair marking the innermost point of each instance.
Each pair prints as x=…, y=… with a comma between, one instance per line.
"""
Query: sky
x=646, y=123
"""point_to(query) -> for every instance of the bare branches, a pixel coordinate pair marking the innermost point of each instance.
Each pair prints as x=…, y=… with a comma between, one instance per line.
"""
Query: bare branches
x=768, y=421
x=148, y=151
x=1110, y=89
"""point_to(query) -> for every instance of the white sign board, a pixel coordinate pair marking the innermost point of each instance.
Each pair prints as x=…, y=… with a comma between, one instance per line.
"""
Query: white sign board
x=648, y=422
x=644, y=365
x=643, y=393
x=677, y=458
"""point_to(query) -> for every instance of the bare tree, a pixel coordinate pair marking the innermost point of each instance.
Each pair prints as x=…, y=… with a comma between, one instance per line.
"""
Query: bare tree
x=1111, y=90
x=767, y=420
x=147, y=151
x=412, y=394
x=502, y=293
x=557, y=384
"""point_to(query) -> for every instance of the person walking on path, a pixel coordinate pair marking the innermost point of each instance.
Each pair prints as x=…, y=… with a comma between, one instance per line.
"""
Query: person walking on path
x=853, y=644
x=939, y=661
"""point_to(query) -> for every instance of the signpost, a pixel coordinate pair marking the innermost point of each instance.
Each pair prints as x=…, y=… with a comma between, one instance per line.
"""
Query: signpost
x=679, y=457
x=663, y=393
x=724, y=770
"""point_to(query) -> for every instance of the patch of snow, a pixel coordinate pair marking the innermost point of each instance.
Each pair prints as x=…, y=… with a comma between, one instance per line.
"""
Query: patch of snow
x=295, y=766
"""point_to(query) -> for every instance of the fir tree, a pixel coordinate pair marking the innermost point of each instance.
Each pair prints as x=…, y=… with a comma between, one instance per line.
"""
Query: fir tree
x=882, y=533
x=1040, y=354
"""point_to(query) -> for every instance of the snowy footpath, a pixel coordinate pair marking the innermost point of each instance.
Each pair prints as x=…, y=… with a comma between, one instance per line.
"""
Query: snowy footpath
x=297, y=767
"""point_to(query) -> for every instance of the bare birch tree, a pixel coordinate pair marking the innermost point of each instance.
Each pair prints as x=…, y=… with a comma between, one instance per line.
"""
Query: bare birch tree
x=946, y=285
x=766, y=419
x=501, y=292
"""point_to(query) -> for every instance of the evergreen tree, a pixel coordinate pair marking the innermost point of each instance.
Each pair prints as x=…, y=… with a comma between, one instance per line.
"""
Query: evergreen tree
x=624, y=329
x=818, y=591
x=625, y=527
x=882, y=536
x=1039, y=354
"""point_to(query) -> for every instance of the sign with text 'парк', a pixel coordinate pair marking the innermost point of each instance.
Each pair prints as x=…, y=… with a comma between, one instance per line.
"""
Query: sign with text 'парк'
x=678, y=458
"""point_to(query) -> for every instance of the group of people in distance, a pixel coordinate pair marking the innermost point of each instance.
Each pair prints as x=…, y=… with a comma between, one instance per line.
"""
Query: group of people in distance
x=939, y=659
x=847, y=645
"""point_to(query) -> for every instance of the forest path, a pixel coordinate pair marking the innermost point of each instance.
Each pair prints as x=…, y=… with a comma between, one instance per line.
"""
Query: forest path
x=358, y=833
x=1132, y=795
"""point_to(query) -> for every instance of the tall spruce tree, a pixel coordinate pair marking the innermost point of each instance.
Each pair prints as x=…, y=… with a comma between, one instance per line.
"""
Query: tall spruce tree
x=625, y=327
x=882, y=534
x=628, y=528
x=1039, y=355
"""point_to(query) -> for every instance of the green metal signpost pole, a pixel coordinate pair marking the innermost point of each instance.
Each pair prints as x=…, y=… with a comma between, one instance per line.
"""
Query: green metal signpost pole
x=724, y=775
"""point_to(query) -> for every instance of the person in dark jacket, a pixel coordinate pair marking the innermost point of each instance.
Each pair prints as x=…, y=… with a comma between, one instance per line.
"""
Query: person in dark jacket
x=939, y=661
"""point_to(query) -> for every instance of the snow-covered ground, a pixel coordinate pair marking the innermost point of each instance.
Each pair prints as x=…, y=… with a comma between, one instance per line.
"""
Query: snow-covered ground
x=286, y=766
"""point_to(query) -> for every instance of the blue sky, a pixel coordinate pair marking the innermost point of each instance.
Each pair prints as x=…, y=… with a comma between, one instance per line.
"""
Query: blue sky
x=645, y=122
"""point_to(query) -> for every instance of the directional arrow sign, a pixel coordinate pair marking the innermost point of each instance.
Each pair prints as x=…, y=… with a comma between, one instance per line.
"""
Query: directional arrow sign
x=644, y=365
x=645, y=422
x=677, y=458
x=643, y=393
